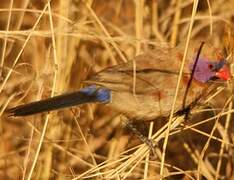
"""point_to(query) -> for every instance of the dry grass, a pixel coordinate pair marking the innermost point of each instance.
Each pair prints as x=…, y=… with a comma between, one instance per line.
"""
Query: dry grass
x=50, y=47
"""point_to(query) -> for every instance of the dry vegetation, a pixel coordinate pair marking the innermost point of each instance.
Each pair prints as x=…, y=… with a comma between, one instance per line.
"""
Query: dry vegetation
x=49, y=47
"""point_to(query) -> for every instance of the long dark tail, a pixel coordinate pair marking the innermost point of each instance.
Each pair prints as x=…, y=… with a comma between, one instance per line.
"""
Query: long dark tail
x=86, y=95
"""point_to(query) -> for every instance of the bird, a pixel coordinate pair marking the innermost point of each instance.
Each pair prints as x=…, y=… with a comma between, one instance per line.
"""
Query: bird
x=142, y=88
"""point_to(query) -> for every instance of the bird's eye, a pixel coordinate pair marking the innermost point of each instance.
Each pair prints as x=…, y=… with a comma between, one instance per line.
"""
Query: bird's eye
x=210, y=66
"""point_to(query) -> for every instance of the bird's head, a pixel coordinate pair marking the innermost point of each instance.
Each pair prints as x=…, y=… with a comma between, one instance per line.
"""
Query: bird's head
x=207, y=70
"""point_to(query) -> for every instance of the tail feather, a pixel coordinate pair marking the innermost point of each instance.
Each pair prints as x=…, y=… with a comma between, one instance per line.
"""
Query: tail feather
x=86, y=95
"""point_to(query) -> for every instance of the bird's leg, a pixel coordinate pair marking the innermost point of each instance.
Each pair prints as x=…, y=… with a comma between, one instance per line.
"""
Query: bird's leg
x=149, y=142
x=187, y=114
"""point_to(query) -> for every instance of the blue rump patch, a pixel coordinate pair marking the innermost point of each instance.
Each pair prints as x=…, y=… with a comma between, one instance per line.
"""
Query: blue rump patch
x=102, y=94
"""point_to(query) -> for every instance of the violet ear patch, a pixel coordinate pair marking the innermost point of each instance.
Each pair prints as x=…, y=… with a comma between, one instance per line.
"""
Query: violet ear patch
x=204, y=70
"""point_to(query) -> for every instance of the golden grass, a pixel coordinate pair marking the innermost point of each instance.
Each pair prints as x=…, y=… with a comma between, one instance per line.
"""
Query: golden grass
x=50, y=47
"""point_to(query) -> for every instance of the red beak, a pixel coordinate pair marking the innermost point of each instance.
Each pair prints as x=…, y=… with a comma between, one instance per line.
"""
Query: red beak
x=224, y=73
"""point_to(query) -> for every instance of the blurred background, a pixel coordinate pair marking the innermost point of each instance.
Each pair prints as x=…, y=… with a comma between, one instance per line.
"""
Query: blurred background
x=50, y=47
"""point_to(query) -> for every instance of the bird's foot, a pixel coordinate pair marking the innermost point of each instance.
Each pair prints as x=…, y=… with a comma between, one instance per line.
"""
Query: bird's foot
x=149, y=142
